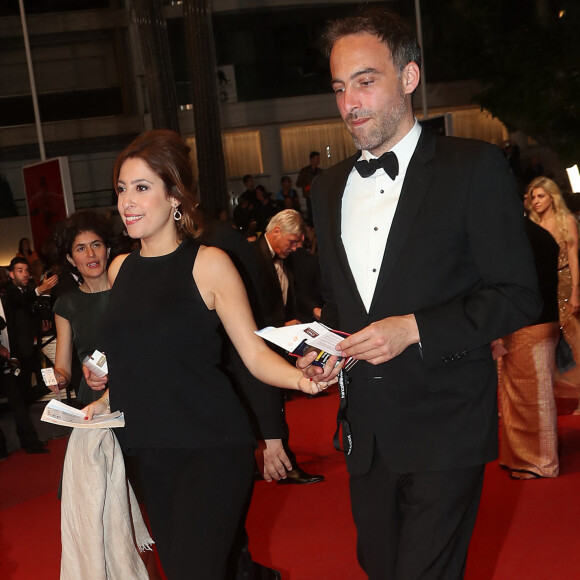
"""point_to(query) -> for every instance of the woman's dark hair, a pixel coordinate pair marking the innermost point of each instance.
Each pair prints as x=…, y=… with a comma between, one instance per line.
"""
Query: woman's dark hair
x=21, y=248
x=167, y=156
x=85, y=220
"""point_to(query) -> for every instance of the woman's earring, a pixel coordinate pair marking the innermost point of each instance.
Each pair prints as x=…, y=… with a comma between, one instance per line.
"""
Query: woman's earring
x=176, y=214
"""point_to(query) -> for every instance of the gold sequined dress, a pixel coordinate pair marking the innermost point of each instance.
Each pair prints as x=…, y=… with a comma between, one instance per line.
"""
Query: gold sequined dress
x=529, y=423
x=569, y=323
x=529, y=438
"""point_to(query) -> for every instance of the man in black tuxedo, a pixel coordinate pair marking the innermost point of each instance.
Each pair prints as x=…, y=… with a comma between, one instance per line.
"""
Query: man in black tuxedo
x=24, y=331
x=424, y=261
x=25, y=327
x=274, y=304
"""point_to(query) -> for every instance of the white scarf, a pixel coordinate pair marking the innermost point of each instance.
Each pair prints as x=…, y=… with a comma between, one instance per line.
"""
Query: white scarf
x=101, y=524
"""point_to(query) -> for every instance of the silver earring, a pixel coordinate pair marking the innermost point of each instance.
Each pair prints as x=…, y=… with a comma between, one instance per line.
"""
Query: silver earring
x=176, y=214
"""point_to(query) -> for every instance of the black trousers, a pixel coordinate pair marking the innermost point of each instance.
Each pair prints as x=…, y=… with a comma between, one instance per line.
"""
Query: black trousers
x=195, y=499
x=20, y=405
x=29, y=366
x=415, y=526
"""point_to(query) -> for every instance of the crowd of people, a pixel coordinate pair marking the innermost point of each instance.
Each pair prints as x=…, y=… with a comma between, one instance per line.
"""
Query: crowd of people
x=418, y=252
x=255, y=205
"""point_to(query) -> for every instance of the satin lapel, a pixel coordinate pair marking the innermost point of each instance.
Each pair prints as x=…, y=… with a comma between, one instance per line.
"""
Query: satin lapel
x=335, y=213
x=415, y=188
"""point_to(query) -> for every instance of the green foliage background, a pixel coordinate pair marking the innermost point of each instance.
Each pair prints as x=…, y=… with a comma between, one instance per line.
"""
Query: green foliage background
x=529, y=64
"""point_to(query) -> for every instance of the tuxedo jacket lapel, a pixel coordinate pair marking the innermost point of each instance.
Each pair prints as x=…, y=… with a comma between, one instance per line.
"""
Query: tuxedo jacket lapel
x=415, y=187
x=268, y=260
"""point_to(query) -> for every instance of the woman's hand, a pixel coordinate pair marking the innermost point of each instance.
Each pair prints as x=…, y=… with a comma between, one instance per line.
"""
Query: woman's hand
x=96, y=383
x=98, y=407
x=327, y=374
x=62, y=379
x=315, y=379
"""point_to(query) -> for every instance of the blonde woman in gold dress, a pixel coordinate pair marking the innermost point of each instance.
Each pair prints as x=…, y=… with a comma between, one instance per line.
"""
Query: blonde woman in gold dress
x=529, y=421
x=548, y=209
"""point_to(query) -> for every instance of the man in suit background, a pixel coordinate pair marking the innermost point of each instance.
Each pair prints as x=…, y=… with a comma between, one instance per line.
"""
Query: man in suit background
x=304, y=180
x=276, y=301
x=424, y=261
x=263, y=403
x=25, y=327
x=24, y=333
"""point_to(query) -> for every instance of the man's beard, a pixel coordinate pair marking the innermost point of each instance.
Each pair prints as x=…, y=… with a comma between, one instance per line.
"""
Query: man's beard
x=387, y=124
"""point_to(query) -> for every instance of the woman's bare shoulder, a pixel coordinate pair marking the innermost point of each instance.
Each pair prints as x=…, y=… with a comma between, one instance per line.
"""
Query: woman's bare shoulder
x=115, y=267
x=210, y=255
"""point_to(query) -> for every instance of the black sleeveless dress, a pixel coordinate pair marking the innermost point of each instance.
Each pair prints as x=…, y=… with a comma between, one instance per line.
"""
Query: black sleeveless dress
x=184, y=426
x=163, y=349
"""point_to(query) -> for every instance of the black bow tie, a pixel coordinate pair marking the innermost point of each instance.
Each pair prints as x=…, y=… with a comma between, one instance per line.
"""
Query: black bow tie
x=388, y=161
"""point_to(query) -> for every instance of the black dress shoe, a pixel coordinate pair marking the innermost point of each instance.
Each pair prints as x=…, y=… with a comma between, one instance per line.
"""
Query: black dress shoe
x=37, y=449
x=264, y=573
x=298, y=475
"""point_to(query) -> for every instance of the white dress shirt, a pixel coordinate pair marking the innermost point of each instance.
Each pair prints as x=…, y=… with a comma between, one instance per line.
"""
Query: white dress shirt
x=368, y=209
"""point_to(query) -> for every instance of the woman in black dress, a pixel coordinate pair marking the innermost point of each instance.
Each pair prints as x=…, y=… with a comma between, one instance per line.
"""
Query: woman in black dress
x=84, y=244
x=184, y=422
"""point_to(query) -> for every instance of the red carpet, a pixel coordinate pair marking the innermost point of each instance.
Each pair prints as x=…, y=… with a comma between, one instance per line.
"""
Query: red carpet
x=525, y=529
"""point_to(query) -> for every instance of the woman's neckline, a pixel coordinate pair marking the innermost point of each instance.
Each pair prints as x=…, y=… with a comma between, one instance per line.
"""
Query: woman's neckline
x=160, y=256
x=80, y=289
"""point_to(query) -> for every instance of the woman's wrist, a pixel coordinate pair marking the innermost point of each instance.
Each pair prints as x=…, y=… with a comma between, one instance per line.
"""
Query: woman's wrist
x=303, y=383
x=105, y=400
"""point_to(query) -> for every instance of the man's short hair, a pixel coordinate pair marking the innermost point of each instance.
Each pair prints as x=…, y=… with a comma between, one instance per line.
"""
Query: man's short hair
x=246, y=178
x=314, y=154
x=15, y=261
x=289, y=221
x=387, y=26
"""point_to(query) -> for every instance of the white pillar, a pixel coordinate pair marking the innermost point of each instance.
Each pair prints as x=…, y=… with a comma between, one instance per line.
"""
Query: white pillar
x=32, y=82
x=423, y=75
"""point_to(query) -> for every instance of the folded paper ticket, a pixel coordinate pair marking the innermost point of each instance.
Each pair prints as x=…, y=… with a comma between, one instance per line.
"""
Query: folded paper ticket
x=300, y=339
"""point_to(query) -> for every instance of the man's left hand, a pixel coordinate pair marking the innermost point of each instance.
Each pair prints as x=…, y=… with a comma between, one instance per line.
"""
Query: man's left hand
x=96, y=383
x=276, y=462
x=381, y=341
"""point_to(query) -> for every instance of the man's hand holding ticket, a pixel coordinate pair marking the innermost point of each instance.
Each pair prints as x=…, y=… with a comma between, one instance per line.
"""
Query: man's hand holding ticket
x=301, y=339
